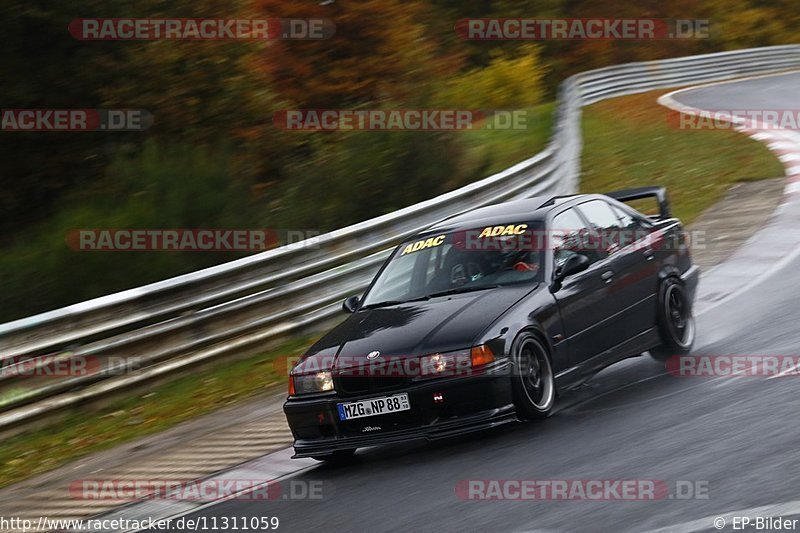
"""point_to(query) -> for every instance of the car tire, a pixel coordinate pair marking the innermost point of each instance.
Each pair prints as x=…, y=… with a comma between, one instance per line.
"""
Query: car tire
x=337, y=458
x=532, y=381
x=675, y=320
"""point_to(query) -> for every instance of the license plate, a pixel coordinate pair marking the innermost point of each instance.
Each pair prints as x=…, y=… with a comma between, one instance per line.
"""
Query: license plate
x=373, y=407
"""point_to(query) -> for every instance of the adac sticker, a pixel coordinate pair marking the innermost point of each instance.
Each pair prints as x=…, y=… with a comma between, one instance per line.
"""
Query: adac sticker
x=498, y=231
x=421, y=245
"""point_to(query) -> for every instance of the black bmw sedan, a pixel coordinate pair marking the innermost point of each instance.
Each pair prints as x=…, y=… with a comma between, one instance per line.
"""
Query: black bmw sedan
x=483, y=318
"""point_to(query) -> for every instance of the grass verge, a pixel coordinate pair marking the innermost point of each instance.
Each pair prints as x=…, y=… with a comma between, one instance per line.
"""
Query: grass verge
x=493, y=150
x=127, y=419
x=630, y=142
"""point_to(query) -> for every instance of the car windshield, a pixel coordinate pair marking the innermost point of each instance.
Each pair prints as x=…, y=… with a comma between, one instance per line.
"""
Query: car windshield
x=462, y=261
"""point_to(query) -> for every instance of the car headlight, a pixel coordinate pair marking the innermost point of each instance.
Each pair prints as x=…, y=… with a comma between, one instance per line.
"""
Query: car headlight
x=311, y=383
x=458, y=363
x=445, y=364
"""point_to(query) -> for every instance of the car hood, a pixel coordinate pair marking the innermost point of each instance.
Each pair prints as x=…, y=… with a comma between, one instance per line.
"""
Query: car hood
x=413, y=329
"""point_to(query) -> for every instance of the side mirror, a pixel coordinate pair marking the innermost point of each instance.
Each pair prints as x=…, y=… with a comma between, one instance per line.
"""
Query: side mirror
x=350, y=305
x=574, y=264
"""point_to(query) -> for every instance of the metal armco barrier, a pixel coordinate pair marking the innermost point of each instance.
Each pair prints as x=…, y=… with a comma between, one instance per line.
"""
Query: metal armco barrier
x=173, y=324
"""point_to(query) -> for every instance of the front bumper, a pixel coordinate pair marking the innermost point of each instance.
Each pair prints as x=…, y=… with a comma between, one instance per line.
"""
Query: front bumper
x=468, y=403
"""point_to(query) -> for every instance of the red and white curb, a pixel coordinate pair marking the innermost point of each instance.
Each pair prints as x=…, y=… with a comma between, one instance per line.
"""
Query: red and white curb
x=784, y=143
x=775, y=245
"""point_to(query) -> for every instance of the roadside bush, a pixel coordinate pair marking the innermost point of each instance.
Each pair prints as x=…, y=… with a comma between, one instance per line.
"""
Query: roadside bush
x=174, y=187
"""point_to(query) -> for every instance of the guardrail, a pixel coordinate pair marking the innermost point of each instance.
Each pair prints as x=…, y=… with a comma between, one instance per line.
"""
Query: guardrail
x=173, y=324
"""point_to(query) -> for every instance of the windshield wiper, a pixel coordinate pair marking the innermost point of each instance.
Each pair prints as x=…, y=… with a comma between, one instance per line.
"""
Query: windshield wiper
x=455, y=290
x=458, y=290
x=393, y=302
x=384, y=304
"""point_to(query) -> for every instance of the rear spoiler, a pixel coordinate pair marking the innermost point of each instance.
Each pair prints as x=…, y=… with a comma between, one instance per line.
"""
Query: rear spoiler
x=659, y=193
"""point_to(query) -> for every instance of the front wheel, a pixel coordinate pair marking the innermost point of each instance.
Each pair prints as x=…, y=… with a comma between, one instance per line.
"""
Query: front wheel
x=675, y=321
x=532, y=383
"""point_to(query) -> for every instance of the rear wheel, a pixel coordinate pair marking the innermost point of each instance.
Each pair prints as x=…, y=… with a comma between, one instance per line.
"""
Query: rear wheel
x=337, y=457
x=533, y=383
x=675, y=321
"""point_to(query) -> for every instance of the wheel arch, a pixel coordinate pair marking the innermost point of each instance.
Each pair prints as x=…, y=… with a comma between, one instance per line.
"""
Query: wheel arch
x=669, y=271
x=536, y=330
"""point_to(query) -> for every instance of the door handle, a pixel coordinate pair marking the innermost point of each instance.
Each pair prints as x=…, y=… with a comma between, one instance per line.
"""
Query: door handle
x=607, y=276
x=648, y=253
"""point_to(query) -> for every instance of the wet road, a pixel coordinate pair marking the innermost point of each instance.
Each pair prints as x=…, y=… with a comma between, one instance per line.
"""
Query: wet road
x=633, y=421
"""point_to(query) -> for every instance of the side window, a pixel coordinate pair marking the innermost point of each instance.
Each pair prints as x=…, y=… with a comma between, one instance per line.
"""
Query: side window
x=606, y=229
x=566, y=236
x=600, y=215
x=625, y=220
x=632, y=229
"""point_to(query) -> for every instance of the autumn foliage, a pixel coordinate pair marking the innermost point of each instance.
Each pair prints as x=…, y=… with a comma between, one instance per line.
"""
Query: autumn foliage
x=214, y=157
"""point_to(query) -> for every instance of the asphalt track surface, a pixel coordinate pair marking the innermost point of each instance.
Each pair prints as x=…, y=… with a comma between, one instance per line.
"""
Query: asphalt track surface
x=632, y=421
